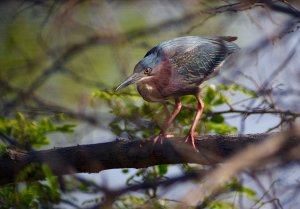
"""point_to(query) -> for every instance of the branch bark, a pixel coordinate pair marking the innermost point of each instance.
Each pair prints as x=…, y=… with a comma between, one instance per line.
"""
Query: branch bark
x=94, y=158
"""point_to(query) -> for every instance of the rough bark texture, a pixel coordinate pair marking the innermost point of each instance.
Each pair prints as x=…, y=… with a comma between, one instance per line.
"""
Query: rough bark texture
x=93, y=158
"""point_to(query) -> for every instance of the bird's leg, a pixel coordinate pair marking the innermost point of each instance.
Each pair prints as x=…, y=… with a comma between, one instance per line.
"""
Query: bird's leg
x=190, y=136
x=171, y=117
x=166, y=109
x=169, y=121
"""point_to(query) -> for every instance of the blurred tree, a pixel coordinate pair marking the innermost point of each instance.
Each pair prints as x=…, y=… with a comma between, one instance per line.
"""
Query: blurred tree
x=60, y=61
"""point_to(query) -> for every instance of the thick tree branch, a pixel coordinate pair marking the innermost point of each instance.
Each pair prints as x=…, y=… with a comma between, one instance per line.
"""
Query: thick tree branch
x=93, y=158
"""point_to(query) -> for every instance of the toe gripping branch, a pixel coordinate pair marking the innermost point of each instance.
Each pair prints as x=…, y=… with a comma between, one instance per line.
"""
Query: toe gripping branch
x=191, y=135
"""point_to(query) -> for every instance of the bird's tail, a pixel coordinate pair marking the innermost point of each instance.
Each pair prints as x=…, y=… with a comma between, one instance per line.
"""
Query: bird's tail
x=230, y=45
x=228, y=38
x=227, y=41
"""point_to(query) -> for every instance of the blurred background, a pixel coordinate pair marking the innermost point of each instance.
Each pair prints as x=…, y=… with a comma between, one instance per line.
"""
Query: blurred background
x=62, y=60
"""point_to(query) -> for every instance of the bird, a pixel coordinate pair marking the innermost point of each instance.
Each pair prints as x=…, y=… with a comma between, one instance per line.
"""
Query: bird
x=178, y=67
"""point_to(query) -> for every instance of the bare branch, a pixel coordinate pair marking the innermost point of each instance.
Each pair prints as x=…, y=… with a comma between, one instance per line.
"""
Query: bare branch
x=252, y=157
x=93, y=158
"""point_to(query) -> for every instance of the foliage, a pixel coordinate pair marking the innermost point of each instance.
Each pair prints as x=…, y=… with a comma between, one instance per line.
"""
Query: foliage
x=136, y=118
x=233, y=191
x=40, y=194
x=228, y=200
x=132, y=117
x=28, y=133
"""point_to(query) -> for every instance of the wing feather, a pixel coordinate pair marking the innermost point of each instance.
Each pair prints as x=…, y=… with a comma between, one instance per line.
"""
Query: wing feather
x=196, y=57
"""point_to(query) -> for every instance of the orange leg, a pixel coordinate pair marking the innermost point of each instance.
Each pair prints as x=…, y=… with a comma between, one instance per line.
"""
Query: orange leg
x=169, y=121
x=190, y=136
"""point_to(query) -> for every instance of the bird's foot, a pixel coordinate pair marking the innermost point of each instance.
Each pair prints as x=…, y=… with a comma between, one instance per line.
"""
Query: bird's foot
x=190, y=138
x=160, y=137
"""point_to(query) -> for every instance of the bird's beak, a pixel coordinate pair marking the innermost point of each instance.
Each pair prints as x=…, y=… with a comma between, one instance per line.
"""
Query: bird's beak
x=132, y=79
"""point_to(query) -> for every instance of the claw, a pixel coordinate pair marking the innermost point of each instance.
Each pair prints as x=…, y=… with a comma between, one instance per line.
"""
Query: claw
x=190, y=138
x=160, y=137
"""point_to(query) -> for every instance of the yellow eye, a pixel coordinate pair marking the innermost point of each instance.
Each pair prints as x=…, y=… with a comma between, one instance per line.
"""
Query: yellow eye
x=147, y=71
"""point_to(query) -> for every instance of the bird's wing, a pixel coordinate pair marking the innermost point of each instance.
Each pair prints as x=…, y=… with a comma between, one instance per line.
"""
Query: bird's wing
x=195, y=58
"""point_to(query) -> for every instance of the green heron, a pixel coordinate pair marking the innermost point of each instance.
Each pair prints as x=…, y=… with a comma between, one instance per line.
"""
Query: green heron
x=176, y=68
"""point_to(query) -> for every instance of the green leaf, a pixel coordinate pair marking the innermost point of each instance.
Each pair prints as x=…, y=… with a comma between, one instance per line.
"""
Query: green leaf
x=3, y=150
x=30, y=133
x=222, y=205
x=243, y=191
x=219, y=128
x=210, y=95
x=162, y=169
x=125, y=171
x=217, y=118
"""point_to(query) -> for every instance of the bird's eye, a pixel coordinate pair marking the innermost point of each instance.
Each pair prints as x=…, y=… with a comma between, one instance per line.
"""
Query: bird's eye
x=147, y=71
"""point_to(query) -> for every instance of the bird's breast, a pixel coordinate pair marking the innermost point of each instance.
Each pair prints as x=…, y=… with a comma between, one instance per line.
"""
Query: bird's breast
x=149, y=91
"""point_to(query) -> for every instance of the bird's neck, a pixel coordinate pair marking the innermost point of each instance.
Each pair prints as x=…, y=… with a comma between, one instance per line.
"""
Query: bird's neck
x=152, y=89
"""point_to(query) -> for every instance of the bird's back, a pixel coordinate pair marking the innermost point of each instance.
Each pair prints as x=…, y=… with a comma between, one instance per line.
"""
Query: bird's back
x=195, y=58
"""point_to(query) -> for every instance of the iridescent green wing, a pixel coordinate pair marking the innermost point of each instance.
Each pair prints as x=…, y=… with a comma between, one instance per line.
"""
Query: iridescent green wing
x=196, y=58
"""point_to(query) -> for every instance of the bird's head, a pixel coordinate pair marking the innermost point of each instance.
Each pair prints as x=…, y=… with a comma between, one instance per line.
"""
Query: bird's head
x=145, y=68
